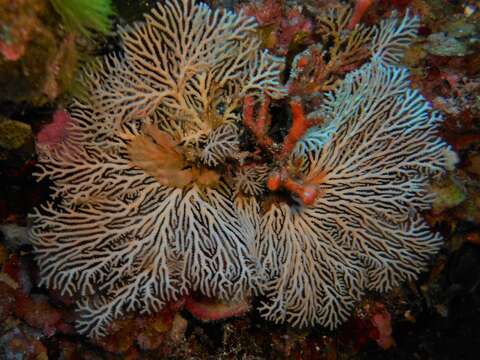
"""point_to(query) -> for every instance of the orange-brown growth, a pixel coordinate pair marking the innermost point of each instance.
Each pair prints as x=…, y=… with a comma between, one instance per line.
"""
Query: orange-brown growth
x=299, y=126
x=306, y=190
x=158, y=154
x=361, y=7
x=260, y=123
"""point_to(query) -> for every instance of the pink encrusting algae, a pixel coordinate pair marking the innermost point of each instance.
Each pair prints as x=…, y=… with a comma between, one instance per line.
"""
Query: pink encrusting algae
x=210, y=309
x=56, y=131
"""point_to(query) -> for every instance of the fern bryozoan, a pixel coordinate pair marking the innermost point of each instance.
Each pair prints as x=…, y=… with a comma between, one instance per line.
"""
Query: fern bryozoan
x=155, y=197
x=145, y=215
x=364, y=230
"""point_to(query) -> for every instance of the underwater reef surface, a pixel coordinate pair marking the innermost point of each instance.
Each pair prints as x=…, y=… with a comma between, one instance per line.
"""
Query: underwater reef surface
x=436, y=316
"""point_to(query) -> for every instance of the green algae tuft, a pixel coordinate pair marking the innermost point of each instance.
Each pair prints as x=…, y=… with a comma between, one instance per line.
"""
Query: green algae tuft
x=85, y=16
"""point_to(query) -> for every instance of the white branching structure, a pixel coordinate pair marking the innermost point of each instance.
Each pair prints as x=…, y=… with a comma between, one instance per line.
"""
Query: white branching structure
x=365, y=230
x=154, y=197
x=145, y=217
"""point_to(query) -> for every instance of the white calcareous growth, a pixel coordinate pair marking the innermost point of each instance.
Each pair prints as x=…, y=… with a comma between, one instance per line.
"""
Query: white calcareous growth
x=143, y=216
x=365, y=230
x=152, y=200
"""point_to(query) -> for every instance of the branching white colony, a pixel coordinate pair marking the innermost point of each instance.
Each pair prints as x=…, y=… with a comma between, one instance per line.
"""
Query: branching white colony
x=145, y=212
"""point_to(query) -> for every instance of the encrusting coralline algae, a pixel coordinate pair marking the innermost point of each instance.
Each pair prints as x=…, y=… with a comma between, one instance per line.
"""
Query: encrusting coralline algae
x=156, y=196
